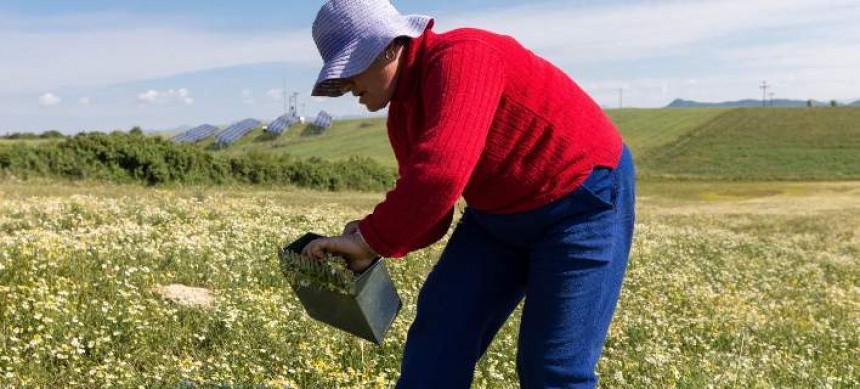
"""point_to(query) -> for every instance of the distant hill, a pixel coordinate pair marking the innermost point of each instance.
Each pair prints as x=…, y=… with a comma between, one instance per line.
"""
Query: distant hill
x=855, y=104
x=169, y=132
x=747, y=103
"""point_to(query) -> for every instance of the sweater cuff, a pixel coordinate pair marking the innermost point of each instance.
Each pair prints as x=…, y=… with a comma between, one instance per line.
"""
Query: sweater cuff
x=374, y=241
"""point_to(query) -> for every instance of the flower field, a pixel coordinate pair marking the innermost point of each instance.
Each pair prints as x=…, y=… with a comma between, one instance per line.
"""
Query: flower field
x=728, y=293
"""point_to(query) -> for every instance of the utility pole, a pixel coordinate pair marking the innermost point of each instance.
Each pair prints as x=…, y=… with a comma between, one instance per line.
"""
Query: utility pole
x=284, y=91
x=620, y=98
x=294, y=99
x=763, y=88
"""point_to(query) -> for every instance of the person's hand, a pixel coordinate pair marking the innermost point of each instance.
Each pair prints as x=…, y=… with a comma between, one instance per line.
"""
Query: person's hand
x=358, y=255
x=350, y=228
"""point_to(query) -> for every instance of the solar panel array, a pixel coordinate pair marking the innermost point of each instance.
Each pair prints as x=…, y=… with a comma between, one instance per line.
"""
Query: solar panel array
x=282, y=123
x=323, y=120
x=236, y=131
x=196, y=134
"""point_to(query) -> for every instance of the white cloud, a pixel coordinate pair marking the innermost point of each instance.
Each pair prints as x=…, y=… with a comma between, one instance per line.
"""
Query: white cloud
x=654, y=49
x=573, y=34
x=149, y=96
x=153, y=96
x=276, y=94
x=85, y=100
x=49, y=100
x=79, y=54
x=247, y=96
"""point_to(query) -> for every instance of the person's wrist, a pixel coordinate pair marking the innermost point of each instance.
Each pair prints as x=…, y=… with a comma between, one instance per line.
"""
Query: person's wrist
x=363, y=243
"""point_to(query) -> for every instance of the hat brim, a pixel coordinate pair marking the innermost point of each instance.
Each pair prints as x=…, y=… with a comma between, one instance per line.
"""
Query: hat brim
x=359, y=54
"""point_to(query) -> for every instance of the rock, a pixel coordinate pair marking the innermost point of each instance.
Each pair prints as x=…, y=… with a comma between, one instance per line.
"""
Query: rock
x=186, y=295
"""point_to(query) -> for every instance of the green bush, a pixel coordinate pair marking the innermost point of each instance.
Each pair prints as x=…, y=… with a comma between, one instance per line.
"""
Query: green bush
x=133, y=157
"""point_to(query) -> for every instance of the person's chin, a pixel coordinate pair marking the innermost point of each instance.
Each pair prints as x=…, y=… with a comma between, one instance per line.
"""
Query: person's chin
x=375, y=108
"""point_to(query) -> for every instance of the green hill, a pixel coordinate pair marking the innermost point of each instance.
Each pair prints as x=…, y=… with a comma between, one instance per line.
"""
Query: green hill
x=360, y=137
x=755, y=144
x=643, y=129
x=689, y=143
x=693, y=143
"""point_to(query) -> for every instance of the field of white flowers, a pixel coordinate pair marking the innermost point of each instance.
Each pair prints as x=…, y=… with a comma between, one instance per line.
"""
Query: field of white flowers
x=727, y=293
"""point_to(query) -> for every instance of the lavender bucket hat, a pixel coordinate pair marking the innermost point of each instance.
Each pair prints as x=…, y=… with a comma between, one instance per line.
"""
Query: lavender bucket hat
x=350, y=34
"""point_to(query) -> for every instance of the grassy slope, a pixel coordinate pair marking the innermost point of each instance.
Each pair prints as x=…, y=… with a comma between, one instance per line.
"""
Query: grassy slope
x=697, y=143
x=362, y=137
x=645, y=130
x=801, y=144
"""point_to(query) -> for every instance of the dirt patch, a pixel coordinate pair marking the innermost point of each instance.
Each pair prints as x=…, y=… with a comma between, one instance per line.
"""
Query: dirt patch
x=186, y=295
x=774, y=198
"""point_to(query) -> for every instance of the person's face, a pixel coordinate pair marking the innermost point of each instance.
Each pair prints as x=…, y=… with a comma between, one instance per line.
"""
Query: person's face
x=375, y=86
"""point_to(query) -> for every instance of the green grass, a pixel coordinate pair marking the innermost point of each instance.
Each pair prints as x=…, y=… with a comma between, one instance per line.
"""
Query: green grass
x=691, y=143
x=729, y=285
x=643, y=129
x=646, y=130
x=28, y=142
x=360, y=137
x=695, y=143
x=756, y=144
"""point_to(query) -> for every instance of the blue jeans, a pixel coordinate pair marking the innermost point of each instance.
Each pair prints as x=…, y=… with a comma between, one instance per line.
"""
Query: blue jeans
x=567, y=259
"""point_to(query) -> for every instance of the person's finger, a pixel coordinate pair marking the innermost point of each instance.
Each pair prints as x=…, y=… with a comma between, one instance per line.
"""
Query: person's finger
x=336, y=245
x=306, y=251
x=318, y=250
x=312, y=249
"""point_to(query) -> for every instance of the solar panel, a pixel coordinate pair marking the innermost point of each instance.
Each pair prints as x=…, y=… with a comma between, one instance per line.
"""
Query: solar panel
x=196, y=134
x=236, y=131
x=282, y=123
x=323, y=120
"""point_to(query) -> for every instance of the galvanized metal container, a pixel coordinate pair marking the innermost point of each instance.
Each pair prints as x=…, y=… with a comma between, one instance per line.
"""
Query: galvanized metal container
x=368, y=314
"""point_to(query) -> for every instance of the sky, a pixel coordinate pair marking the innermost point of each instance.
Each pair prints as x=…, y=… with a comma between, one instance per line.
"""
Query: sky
x=98, y=65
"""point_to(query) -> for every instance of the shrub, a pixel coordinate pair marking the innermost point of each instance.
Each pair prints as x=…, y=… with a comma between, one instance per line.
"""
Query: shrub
x=134, y=157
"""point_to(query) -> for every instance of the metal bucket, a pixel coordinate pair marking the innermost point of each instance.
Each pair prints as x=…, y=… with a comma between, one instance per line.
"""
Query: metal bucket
x=368, y=314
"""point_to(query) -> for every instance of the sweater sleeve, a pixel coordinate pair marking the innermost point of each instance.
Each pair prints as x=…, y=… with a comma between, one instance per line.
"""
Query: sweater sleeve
x=461, y=91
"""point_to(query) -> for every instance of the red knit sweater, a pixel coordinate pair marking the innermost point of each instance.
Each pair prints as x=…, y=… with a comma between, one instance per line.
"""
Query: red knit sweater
x=478, y=115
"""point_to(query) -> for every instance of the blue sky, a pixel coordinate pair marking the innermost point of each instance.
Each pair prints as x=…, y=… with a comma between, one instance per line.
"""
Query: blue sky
x=103, y=65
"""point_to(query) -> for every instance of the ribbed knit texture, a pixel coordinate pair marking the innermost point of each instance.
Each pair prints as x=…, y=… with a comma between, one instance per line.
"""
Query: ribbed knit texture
x=478, y=115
